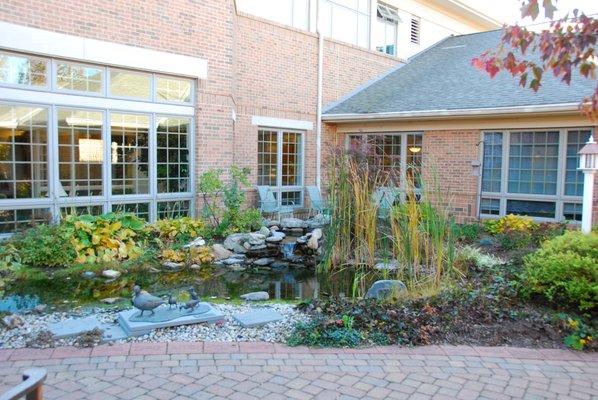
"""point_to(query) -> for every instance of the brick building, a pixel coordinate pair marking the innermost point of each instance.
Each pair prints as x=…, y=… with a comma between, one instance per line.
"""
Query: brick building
x=120, y=105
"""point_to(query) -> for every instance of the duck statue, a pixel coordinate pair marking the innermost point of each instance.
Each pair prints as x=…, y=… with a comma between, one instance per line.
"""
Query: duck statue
x=144, y=301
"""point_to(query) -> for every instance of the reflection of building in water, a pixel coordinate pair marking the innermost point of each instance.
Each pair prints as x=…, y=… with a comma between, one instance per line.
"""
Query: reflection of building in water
x=287, y=287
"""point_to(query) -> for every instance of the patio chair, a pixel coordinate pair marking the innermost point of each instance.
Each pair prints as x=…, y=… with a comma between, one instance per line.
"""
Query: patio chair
x=268, y=203
x=385, y=198
x=317, y=203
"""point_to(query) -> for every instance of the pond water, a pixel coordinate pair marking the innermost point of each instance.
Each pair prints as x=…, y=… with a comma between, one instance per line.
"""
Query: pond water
x=17, y=303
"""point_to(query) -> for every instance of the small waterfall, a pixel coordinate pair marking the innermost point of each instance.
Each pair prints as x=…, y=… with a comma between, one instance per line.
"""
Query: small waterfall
x=288, y=250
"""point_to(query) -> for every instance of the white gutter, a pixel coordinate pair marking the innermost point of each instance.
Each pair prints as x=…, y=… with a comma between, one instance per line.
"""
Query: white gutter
x=438, y=114
x=319, y=101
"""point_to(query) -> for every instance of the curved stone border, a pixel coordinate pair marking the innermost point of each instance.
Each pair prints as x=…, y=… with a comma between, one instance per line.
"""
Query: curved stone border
x=134, y=349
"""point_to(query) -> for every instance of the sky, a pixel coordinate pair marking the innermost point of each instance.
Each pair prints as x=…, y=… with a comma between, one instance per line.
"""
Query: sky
x=508, y=11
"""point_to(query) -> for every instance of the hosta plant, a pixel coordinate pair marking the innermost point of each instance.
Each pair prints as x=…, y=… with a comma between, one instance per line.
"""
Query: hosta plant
x=510, y=223
x=179, y=230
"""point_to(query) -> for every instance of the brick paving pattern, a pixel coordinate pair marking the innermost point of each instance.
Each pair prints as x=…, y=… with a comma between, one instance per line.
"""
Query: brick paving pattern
x=145, y=371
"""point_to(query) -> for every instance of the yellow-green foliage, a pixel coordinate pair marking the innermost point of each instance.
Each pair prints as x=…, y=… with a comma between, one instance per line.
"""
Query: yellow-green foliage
x=201, y=255
x=172, y=255
x=179, y=229
x=510, y=223
x=105, y=238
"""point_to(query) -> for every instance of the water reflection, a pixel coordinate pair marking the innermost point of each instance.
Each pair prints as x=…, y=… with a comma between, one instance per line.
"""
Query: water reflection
x=17, y=303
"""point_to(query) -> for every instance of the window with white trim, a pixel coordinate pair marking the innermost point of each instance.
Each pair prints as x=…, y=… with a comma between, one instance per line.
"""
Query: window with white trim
x=294, y=13
x=398, y=155
x=346, y=20
x=385, y=30
x=280, y=164
x=533, y=173
x=78, y=151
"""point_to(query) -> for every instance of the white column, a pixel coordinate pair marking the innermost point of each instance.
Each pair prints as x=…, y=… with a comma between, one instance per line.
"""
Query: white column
x=588, y=201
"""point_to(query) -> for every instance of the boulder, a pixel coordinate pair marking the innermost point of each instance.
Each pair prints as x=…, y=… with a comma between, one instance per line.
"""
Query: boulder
x=197, y=242
x=262, y=262
x=274, y=228
x=233, y=261
x=318, y=221
x=88, y=275
x=270, y=222
x=384, y=289
x=12, y=321
x=235, y=242
x=279, y=265
x=195, y=266
x=276, y=237
x=387, y=266
x=110, y=274
x=292, y=223
x=265, y=231
x=220, y=252
x=312, y=243
x=173, y=266
x=255, y=296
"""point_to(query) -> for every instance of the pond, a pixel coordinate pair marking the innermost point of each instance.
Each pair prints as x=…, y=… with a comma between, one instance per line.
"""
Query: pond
x=210, y=282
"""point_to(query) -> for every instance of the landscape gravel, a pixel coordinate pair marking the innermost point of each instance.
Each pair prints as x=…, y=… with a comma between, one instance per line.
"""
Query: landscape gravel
x=33, y=331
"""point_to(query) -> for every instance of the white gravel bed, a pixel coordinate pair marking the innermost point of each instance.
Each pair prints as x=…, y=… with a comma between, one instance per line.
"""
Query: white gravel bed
x=229, y=331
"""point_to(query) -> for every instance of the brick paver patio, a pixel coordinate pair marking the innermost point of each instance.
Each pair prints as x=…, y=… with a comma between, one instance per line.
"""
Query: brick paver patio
x=271, y=371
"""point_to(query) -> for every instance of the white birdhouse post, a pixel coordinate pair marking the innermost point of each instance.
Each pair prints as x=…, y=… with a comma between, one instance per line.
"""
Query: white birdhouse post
x=588, y=163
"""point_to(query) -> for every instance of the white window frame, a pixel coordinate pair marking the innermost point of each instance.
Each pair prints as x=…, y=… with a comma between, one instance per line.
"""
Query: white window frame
x=49, y=72
x=385, y=22
x=152, y=96
x=357, y=12
x=503, y=196
x=54, y=78
x=51, y=100
x=403, y=157
x=279, y=188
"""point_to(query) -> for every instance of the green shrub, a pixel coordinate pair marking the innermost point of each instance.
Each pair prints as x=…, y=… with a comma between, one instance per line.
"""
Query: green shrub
x=321, y=333
x=565, y=271
x=240, y=221
x=467, y=232
x=45, y=246
x=510, y=223
x=179, y=230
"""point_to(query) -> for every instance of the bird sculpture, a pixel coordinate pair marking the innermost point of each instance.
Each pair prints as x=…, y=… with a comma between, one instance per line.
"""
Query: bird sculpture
x=171, y=301
x=144, y=301
x=191, y=304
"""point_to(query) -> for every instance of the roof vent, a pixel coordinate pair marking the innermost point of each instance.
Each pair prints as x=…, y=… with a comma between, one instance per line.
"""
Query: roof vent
x=415, y=29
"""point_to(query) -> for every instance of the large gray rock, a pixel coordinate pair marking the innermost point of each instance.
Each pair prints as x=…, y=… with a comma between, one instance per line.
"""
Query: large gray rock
x=241, y=242
x=197, y=242
x=255, y=296
x=233, y=261
x=384, y=289
x=312, y=243
x=264, y=231
x=387, y=265
x=276, y=237
x=110, y=274
x=220, y=252
x=262, y=262
x=173, y=266
x=257, y=317
x=292, y=223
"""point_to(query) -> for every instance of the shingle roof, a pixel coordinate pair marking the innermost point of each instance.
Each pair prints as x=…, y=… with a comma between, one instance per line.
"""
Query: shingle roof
x=442, y=78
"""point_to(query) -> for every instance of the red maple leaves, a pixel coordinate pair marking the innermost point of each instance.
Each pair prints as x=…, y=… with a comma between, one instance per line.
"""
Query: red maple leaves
x=568, y=44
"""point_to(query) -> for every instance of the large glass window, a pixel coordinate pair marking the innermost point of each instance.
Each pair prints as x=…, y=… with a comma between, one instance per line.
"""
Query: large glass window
x=80, y=152
x=136, y=85
x=23, y=70
x=23, y=152
x=173, y=89
x=530, y=173
x=280, y=164
x=385, y=30
x=397, y=155
x=15, y=220
x=129, y=149
x=346, y=20
x=79, y=77
x=289, y=12
x=173, y=155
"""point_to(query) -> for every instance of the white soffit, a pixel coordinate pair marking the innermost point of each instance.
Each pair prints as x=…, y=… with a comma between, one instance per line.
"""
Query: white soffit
x=270, y=122
x=53, y=44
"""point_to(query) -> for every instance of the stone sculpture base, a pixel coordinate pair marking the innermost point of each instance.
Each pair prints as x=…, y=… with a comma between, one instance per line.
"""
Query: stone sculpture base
x=166, y=313
x=128, y=319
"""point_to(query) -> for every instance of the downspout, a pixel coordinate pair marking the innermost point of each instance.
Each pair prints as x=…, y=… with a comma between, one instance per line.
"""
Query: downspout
x=319, y=101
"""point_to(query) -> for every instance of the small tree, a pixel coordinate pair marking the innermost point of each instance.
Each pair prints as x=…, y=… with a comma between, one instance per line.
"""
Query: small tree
x=568, y=44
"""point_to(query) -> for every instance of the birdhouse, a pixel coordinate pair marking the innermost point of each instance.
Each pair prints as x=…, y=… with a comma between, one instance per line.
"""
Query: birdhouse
x=588, y=156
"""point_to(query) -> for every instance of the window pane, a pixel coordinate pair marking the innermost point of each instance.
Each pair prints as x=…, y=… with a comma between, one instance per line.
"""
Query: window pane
x=130, y=84
x=291, y=198
x=173, y=209
x=533, y=162
x=17, y=220
x=572, y=211
x=139, y=209
x=414, y=159
x=267, y=158
x=23, y=70
x=344, y=24
x=78, y=77
x=129, y=153
x=301, y=14
x=23, y=152
x=492, y=164
x=291, y=159
x=542, y=209
x=573, y=177
x=80, y=153
x=95, y=209
x=173, y=154
x=490, y=206
x=173, y=89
